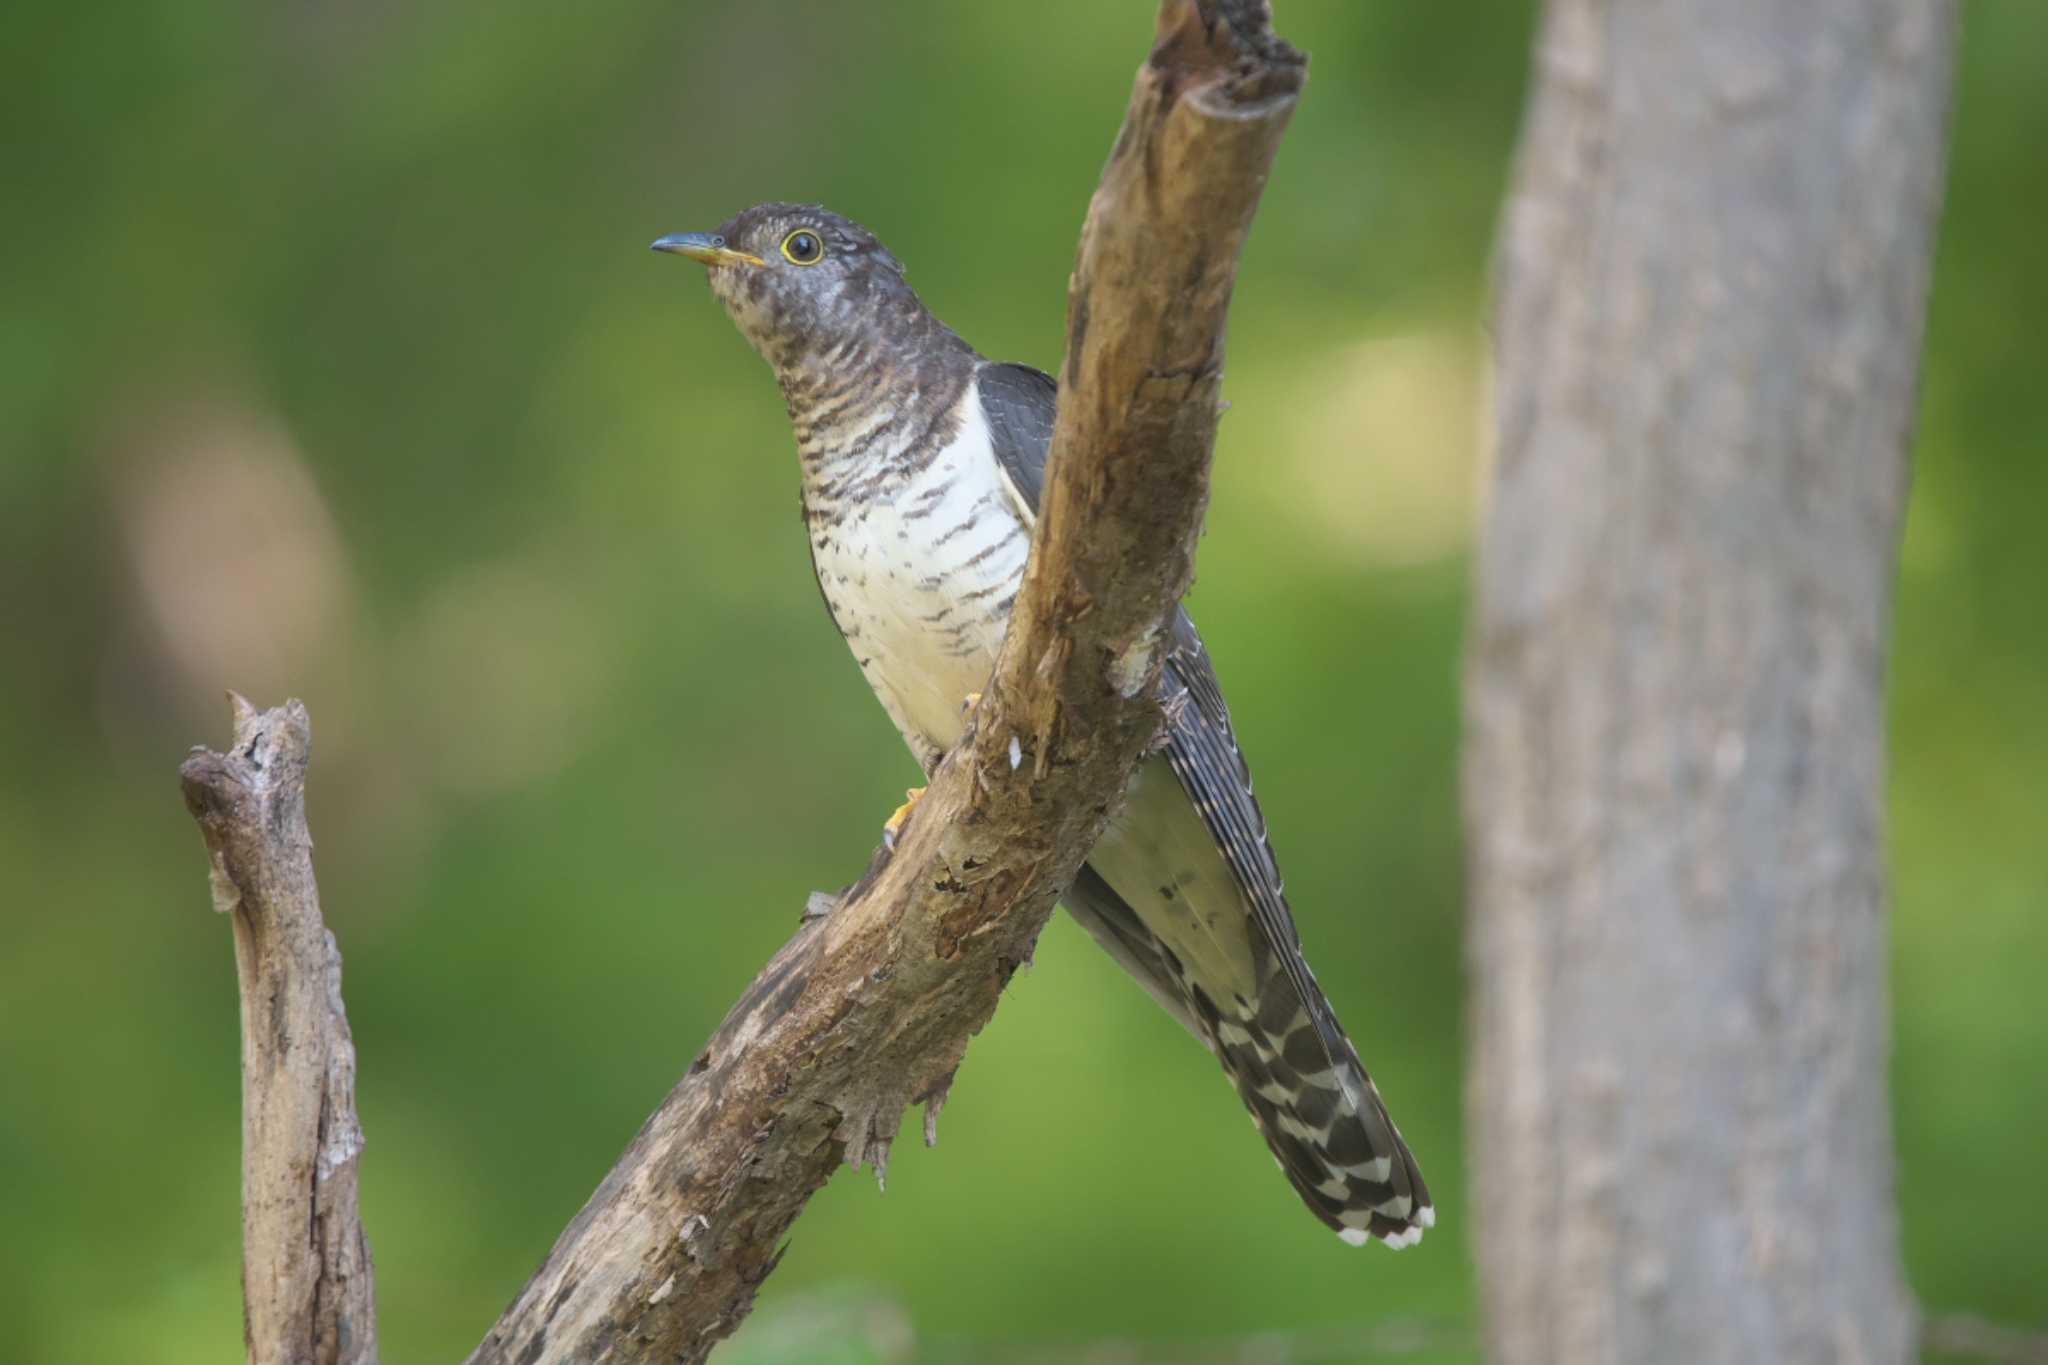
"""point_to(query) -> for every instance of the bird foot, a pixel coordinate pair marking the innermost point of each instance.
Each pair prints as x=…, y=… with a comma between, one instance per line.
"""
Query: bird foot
x=894, y=825
x=969, y=702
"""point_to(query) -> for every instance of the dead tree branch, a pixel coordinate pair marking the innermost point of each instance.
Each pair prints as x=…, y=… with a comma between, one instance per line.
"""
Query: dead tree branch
x=307, y=1292
x=869, y=1010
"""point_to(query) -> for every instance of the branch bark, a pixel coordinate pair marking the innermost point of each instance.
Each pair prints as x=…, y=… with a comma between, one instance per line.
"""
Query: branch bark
x=1713, y=274
x=869, y=1009
x=308, y=1295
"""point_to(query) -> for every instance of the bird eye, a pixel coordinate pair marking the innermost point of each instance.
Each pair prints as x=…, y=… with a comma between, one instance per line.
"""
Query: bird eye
x=802, y=247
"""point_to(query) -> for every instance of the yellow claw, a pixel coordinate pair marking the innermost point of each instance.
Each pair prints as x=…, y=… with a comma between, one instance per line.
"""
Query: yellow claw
x=972, y=700
x=894, y=825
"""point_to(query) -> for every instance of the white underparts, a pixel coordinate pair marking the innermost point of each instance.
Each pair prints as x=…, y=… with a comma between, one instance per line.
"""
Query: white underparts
x=920, y=574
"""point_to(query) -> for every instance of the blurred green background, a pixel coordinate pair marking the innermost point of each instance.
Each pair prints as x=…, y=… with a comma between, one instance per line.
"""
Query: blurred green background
x=335, y=365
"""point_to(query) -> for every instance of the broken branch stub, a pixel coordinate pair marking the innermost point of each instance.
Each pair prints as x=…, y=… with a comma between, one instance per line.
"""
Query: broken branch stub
x=308, y=1292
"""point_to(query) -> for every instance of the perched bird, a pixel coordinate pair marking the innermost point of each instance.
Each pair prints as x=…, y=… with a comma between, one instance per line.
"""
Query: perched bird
x=922, y=465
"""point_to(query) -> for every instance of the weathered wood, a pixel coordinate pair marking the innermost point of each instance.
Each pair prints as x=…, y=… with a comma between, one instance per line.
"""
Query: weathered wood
x=868, y=1010
x=308, y=1294
x=1713, y=274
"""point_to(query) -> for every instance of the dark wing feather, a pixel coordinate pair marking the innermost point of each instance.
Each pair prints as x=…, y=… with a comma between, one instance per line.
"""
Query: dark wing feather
x=1019, y=403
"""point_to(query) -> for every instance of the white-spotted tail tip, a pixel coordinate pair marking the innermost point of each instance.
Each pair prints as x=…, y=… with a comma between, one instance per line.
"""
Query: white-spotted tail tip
x=1425, y=1217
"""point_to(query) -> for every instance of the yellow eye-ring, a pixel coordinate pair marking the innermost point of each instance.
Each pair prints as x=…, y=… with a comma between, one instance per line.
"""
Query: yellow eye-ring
x=802, y=247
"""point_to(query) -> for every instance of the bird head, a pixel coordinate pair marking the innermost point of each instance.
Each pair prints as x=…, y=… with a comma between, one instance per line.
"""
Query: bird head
x=804, y=285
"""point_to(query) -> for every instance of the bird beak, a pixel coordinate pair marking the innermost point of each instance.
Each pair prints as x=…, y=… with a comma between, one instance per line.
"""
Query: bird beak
x=706, y=248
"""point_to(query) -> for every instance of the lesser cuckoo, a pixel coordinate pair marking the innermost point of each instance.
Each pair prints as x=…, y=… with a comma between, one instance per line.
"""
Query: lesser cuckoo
x=922, y=464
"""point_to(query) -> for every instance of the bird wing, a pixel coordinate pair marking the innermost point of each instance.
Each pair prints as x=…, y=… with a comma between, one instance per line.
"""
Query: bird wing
x=1331, y=1132
x=1019, y=403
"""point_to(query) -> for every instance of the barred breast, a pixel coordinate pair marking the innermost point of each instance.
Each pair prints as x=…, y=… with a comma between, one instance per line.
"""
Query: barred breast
x=919, y=551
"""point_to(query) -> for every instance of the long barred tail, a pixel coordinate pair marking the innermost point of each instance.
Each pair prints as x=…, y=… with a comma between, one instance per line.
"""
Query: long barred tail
x=1319, y=1112
x=1297, y=1073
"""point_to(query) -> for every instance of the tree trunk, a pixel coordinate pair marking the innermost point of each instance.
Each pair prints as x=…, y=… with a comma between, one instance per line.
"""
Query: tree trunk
x=1713, y=271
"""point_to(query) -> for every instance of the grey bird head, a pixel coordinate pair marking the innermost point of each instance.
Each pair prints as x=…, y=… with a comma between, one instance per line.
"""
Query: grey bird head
x=810, y=289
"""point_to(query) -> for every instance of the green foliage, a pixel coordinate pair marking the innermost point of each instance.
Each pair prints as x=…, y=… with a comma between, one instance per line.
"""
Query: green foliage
x=372, y=282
